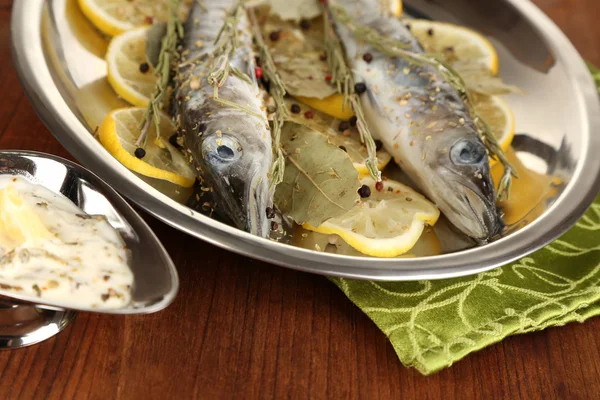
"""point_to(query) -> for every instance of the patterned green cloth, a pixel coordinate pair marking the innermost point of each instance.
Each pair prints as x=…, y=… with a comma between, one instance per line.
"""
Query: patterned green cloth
x=432, y=324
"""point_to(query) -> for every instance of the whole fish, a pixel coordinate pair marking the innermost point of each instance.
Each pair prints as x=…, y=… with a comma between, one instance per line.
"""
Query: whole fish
x=230, y=144
x=422, y=121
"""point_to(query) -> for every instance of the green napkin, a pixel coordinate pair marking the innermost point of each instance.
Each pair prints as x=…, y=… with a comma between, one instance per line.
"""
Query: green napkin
x=432, y=324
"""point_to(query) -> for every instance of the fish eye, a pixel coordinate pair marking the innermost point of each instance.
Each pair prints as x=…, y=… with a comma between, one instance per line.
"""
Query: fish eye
x=221, y=150
x=467, y=152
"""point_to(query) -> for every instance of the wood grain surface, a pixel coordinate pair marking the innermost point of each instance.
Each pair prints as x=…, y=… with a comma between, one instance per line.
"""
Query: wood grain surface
x=245, y=329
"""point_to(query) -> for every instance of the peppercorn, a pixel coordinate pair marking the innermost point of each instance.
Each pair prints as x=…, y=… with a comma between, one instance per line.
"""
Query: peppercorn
x=328, y=78
x=270, y=212
x=309, y=114
x=343, y=126
x=274, y=225
x=173, y=140
x=353, y=120
x=144, y=67
x=368, y=57
x=430, y=32
x=360, y=88
x=305, y=24
x=378, y=145
x=343, y=148
x=295, y=108
x=140, y=153
x=379, y=186
x=364, y=191
x=274, y=36
x=258, y=72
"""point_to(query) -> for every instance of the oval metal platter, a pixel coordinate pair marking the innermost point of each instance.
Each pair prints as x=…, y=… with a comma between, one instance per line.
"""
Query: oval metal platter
x=62, y=69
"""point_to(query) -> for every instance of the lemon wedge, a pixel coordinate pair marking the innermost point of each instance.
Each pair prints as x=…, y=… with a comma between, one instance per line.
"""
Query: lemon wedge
x=498, y=115
x=128, y=72
x=454, y=43
x=395, y=7
x=113, y=17
x=387, y=223
x=118, y=134
x=332, y=106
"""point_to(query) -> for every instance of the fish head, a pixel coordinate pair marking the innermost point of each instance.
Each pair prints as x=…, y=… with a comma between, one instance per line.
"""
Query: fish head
x=234, y=162
x=463, y=187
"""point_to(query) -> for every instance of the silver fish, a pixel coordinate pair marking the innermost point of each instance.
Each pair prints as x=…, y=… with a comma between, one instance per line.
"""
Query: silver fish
x=230, y=146
x=423, y=122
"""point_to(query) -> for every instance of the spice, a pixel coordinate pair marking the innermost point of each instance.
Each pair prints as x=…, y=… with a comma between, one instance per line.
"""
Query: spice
x=270, y=213
x=378, y=145
x=295, y=108
x=328, y=78
x=379, y=186
x=408, y=26
x=309, y=114
x=430, y=32
x=140, y=153
x=144, y=67
x=343, y=126
x=258, y=72
x=149, y=20
x=305, y=24
x=274, y=225
x=360, y=88
x=368, y=57
x=364, y=191
x=353, y=120
x=275, y=35
x=173, y=140
x=343, y=148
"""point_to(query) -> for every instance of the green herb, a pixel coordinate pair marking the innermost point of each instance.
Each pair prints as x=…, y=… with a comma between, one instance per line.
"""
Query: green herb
x=320, y=181
x=168, y=53
x=225, y=44
x=595, y=74
x=277, y=91
x=393, y=48
x=342, y=78
x=154, y=38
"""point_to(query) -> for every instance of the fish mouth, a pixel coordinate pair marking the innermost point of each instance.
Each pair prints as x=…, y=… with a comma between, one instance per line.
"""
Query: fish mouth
x=475, y=213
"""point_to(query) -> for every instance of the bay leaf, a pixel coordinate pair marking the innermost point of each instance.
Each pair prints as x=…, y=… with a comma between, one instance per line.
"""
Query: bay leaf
x=295, y=10
x=319, y=182
x=304, y=75
x=154, y=38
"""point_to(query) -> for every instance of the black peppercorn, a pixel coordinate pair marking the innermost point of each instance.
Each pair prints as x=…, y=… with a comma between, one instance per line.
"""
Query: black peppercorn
x=270, y=213
x=274, y=36
x=295, y=108
x=144, y=67
x=430, y=31
x=368, y=57
x=139, y=152
x=305, y=24
x=364, y=191
x=378, y=145
x=360, y=88
x=353, y=120
x=173, y=140
x=343, y=126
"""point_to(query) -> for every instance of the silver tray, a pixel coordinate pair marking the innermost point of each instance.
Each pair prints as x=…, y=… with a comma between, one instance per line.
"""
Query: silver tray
x=559, y=116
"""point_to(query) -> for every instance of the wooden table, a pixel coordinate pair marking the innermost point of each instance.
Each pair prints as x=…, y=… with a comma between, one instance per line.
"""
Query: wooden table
x=242, y=328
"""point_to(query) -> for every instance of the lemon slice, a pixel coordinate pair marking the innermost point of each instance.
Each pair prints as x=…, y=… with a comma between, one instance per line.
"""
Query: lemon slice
x=395, y=7
x=118, y=134
x=117, y=16
x=388, y=223
x=124, y=58
x=454, y=43
x=498, y=115
x=332, y=106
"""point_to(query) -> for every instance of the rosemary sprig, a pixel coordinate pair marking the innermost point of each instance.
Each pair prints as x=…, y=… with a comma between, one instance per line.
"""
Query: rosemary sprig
x=277, y=91
x=394, y=48
x=225, y=44
x=343, y=79
x=168, y=53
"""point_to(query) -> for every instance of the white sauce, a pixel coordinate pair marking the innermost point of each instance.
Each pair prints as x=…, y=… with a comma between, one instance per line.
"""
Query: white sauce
x=82, y=263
